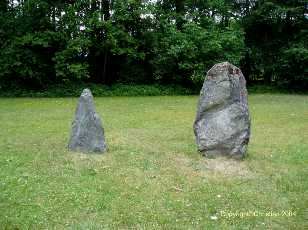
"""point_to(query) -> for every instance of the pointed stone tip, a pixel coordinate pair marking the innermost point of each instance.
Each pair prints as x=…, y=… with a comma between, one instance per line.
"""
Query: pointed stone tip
x=86, y=93
x=226, y=63
x=223, y=66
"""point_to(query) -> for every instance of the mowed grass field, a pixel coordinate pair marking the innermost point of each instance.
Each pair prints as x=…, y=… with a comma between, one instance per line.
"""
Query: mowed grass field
x=152, y=177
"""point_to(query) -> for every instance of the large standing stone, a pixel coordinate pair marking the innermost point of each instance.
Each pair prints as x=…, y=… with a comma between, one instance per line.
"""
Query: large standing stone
x=222, y=125
x=87, y=130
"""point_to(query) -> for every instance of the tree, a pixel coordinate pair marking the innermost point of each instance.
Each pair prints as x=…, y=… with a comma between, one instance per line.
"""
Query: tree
x=30, y=44
x=45, y=42
x=274, y=31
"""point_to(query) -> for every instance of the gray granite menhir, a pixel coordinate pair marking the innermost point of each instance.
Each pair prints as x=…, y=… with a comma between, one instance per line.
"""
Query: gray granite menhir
x=87, y=131
x=222, y=124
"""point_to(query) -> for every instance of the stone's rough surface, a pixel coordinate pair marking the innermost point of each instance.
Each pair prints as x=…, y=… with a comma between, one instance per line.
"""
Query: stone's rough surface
x=222, y=125
x=87, y=130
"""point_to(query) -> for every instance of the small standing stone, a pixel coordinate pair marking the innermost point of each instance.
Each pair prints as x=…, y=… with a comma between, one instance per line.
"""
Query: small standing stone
x=87, y=130
x=222, y=124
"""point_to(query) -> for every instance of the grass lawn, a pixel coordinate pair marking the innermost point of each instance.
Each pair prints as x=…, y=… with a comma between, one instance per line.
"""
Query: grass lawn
x=152, y=176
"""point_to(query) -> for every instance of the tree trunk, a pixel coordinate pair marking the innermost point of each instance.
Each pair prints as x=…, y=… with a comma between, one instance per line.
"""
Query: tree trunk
x=106, y=16
x=247, y=4
x=4, y=5
x=106, y=9
x=267, y=78
x=54, y=22
x=93, y=5
x=180, y=13
x=247, y=67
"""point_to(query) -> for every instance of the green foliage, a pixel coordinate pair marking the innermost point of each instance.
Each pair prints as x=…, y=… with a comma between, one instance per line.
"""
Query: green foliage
x=45, y=42
x=70, y=63
x=276, y=36
x=69, y=89
x=292, y=66
x=28, y=58
x=185, y=56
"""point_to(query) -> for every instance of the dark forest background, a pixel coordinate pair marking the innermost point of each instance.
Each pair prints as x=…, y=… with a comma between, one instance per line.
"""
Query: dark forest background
x=49, y=42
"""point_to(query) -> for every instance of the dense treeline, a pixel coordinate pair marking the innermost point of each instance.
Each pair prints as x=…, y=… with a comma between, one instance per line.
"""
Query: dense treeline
x=46, y=42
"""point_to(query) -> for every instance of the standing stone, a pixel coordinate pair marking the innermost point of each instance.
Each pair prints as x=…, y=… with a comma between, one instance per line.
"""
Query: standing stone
x=222, y=125
x=87, y=130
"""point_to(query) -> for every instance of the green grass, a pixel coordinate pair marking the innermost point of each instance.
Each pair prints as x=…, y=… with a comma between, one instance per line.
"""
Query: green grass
x=152, y=176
